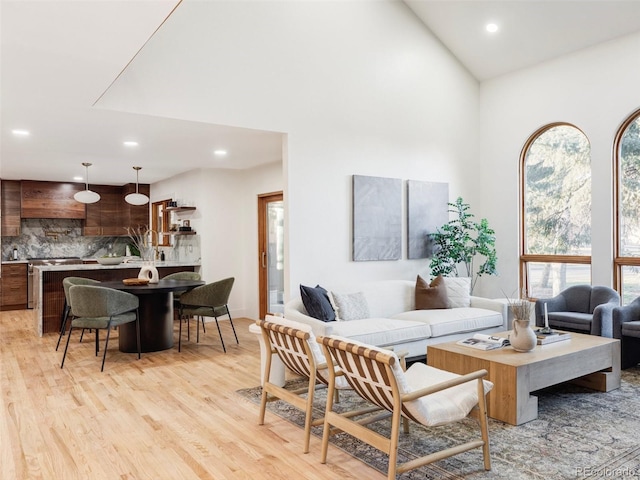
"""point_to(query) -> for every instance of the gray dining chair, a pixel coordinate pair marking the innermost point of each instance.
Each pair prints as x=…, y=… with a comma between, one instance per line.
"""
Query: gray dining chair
x=208, y=300
x=181, y=276
x=176, y=295
x=101, y=308
x=67, y=311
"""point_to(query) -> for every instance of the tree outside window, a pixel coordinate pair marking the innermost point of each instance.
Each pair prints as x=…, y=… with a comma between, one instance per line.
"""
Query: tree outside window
x=556, y=243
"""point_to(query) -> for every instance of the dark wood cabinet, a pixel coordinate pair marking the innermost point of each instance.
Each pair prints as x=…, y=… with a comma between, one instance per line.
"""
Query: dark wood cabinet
x=50, y=200
x=10, y=225
x=136, y=216
x=14, y=286
x=111, y=215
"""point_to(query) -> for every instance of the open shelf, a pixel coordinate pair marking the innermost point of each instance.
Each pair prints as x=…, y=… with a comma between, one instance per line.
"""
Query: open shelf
x=178, y=233
x=179, y=209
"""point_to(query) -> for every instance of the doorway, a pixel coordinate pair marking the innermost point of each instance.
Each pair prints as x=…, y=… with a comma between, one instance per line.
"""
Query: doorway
x=271, y=253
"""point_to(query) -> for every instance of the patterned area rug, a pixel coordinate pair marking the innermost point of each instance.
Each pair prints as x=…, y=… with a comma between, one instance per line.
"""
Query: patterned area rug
x=579, y=433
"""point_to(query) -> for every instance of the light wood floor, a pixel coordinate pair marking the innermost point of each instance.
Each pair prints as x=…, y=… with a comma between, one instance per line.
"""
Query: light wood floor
x=169, y=415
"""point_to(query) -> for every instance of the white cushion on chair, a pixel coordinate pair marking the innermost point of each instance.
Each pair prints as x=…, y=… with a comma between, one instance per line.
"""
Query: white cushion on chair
x=316, y=351
x=442, y=407
x=439, y=408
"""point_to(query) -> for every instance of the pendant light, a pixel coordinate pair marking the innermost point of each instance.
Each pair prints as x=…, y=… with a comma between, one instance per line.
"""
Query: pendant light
x=136, y=198
x=87, y=196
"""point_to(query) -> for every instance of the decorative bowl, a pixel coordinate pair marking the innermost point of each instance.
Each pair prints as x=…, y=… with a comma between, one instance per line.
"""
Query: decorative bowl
x=110, y=260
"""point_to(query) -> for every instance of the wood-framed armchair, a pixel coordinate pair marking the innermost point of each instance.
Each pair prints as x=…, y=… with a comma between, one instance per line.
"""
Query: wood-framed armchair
x=296, y=346
x=422, y=394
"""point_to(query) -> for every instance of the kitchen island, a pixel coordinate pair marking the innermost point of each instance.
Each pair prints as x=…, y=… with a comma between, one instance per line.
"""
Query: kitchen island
x=49, y=294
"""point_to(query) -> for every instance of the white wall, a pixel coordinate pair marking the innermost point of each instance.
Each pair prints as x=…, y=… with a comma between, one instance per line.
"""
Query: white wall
x=358, y=87
x=226, y=219
x=595, y=89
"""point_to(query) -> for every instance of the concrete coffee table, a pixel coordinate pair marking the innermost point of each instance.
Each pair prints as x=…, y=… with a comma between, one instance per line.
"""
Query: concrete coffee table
x=588, y=360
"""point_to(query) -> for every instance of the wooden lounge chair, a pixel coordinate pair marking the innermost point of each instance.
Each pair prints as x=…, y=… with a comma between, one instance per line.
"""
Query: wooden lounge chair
x=423, y=394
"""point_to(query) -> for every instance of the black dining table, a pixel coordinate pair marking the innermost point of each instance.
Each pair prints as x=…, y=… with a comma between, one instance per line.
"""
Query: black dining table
x=155, y=311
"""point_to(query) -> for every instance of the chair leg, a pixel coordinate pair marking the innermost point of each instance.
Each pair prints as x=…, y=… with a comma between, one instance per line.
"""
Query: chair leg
x=326, y=431
x=308, y=415
x=484, y=427
x=63, y=324
x=232, y=327
x=220, y=333
x=98, y=340
x=204, y=329
x=82, y=336
x=138, y=332
x=396, y=418
x=180, y=333
x=106, y=345
x=66, y=347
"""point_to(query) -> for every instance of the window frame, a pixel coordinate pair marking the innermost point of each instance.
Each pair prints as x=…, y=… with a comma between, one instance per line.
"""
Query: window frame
x=526, y=258
x=161, y=240
x=619, y=262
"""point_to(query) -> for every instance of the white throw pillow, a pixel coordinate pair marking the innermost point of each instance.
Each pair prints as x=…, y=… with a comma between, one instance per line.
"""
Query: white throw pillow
x=351, y=306
x=334, y=306
x=458, y=291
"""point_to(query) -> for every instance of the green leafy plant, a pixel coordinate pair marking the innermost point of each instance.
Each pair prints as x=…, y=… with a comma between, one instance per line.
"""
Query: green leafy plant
x=461, y=241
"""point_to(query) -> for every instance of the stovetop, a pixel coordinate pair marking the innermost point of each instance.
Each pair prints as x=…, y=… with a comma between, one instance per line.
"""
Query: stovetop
x=54, y=260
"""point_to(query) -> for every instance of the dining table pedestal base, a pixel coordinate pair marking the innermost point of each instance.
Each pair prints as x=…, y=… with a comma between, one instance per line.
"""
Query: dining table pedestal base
x=156, y=325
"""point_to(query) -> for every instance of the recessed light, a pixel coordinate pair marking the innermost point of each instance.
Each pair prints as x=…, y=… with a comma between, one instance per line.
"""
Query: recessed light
x=220, y=153
x=20, y=133
x=130, y=143
x=78, y=179
x=491, y=27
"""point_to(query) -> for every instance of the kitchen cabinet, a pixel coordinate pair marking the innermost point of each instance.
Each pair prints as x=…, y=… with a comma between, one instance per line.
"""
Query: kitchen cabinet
x=111, y=215
x=105, y=217
x=14, y=286
x=50, y=200
x=136, y=216
x=10, y=206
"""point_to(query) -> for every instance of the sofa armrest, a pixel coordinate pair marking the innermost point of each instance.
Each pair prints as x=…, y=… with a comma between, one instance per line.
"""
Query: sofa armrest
x=602, y=322
x=489, y=304
x=293, y=310
x=622, y=314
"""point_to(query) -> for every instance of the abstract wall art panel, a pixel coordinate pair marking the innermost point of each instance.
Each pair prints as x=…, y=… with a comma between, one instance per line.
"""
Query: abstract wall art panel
x=377, y=218
x=427, y=210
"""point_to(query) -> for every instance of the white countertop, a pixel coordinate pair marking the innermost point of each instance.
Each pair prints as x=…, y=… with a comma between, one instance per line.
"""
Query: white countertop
x=97, y=266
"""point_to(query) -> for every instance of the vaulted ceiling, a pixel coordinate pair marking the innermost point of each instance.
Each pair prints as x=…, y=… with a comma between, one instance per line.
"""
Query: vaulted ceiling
x=59, y=57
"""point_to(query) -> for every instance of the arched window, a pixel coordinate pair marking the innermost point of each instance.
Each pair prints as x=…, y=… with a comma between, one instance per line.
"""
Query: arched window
x=627, y=207
x=555, y=249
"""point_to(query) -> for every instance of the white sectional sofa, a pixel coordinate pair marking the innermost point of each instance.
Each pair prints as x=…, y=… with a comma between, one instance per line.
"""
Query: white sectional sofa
x=394, y=322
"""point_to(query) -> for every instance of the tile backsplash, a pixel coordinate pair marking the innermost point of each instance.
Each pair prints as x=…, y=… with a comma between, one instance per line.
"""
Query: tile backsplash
x=51, y=238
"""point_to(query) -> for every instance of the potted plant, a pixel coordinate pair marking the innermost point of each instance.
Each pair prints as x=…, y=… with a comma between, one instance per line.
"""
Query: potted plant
x=461, y=241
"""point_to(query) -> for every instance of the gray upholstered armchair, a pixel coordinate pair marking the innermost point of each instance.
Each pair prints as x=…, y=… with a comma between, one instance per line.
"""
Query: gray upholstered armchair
x=626, y=327
x=581, y=308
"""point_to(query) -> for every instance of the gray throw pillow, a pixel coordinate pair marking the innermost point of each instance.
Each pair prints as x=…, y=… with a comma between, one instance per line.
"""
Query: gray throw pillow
x=351, y=306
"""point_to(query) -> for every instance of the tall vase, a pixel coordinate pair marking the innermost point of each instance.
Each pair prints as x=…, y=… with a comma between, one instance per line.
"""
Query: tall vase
x=523, y=339
x=149, y=272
